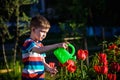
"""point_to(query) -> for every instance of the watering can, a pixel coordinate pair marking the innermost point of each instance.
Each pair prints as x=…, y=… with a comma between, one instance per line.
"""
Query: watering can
x=63, y=55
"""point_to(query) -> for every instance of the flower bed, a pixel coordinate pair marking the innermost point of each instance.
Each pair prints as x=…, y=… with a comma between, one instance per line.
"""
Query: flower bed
x=103, y=65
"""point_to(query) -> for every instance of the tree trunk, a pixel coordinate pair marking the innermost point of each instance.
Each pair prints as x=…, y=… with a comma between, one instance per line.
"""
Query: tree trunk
x=17, y=33
x=4, y=55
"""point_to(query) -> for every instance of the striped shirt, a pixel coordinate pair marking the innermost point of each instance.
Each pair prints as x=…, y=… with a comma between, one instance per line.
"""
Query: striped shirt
x=33, y=65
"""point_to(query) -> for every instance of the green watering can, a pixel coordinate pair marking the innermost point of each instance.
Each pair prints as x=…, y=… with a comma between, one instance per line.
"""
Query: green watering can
x=63, y=55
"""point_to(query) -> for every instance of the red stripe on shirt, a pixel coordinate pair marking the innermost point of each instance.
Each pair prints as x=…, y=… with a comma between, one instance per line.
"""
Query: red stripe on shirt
x=32, y=59
x=33, y=75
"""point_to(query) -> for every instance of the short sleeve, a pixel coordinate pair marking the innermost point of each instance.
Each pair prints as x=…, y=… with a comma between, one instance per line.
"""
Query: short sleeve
x=28, y=45
x=43, y=54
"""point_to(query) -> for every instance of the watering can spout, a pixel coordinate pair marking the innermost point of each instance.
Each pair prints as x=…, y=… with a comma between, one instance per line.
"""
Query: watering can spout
x=73, y=58
x=63, y=55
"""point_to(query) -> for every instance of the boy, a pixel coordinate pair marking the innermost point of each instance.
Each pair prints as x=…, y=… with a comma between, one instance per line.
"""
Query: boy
x=33, y=50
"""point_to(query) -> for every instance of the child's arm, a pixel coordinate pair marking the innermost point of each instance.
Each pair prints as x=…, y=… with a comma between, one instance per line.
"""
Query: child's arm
x=49, y=47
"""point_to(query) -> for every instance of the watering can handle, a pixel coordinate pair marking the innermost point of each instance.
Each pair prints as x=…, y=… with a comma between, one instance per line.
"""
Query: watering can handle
x=73, y=49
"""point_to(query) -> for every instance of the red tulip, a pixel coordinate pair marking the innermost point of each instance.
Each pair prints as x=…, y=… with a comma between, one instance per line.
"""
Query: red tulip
x=82, y=54
x=104, y=69
x=101, y=69
x=115, y=66
x=52, y=64
x=111, y=76
x=70, y=62
x=71, y=68
x=105, y=63
x=102, y=58
x=113, y=46
x=97, y=69
x=119, y=68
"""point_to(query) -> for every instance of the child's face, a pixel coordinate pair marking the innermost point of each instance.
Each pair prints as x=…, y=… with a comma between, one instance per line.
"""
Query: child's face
x=40, y=33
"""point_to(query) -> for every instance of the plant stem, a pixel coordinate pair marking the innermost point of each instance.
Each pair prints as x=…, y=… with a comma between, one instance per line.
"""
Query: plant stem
x=82, y=69
x=61, y=73
x=98, y=78
x=5, y=57
x=66, y=72
x=102, y=77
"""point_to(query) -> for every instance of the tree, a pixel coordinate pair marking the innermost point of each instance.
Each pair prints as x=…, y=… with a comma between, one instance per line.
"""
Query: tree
x=12, y=13
x=4, y=34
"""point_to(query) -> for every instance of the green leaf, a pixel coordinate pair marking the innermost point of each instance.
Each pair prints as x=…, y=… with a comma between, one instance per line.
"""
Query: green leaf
x=25, y=2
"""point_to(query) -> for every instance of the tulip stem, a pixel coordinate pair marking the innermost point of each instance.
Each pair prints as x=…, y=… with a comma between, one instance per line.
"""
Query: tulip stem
x=101, y=77
x=61, y=72
x=66, y=72
x=82, y=69
x=98, y=77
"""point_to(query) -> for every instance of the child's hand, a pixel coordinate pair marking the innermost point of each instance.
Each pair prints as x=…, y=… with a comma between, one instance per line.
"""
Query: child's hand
x=64, y=45
x=53, y=71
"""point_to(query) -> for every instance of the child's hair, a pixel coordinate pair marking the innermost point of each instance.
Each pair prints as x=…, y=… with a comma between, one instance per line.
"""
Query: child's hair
x=39, y=22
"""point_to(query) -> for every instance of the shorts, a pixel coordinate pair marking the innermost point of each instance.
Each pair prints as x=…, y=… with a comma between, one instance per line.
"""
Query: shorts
x=37, y=77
